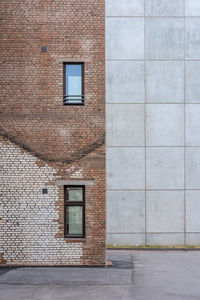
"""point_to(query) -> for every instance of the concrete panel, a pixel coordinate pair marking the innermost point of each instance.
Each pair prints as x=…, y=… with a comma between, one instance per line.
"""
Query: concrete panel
x=193, y=211
x=126, y=239
x=125, y=168
x=165, y=124
x=192, y=7
x=124, y=82
x=193, y=239
x=165, y=38
x=125, y=211
x=193, y=168
x=125, y=125
x=119, y=36
x=165, y=168
x=192, y=124
x=163, y=239
x=164, y=8
x=165, y=211
x=192, y=82
x=165, y=81
x=124, y=8
x=192, y=34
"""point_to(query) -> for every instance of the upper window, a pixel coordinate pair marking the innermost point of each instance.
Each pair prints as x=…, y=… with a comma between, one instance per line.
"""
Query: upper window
x=73, y=83
x=74, y=211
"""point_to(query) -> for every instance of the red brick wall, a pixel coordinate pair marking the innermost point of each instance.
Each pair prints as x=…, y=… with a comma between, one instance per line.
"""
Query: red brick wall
x=32, y=114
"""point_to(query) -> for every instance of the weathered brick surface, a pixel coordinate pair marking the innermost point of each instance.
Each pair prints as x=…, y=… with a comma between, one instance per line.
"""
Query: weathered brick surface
x=42, y=140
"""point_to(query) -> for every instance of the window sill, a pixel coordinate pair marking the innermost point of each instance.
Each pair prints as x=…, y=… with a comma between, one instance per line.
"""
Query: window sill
x=74, y=104
x=75, y=240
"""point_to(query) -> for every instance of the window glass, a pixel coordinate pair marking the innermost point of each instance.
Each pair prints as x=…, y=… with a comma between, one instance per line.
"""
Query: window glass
x=75, y=220
x=73, y=83
x=74, y=211
x=75, y=194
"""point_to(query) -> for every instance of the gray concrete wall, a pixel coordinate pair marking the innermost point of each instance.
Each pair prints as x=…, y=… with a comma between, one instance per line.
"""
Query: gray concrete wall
x=153, y=121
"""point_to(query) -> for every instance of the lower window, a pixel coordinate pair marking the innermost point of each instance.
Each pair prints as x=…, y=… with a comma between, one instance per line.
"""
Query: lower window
x=74, y=211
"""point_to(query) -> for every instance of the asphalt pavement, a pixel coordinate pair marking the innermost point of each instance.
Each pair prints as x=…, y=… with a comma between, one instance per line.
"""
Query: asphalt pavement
x=138, y=275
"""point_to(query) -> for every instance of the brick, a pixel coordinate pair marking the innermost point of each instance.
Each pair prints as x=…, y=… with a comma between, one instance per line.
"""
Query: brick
x=42, y=140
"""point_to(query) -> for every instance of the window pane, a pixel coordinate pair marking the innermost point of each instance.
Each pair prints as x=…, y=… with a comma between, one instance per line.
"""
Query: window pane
x=73, y=83
x=75, y=194
x=74, y=220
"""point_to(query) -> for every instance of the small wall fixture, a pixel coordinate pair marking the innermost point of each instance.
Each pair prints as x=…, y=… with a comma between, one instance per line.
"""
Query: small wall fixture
x=44, y=49
x=44, y=191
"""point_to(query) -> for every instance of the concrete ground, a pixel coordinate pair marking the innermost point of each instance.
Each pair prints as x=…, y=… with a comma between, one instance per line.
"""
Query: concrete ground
x=149, y=275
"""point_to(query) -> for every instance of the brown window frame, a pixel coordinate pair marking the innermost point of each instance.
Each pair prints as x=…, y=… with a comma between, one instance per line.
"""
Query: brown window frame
x=74, y=203
x=82, y=83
